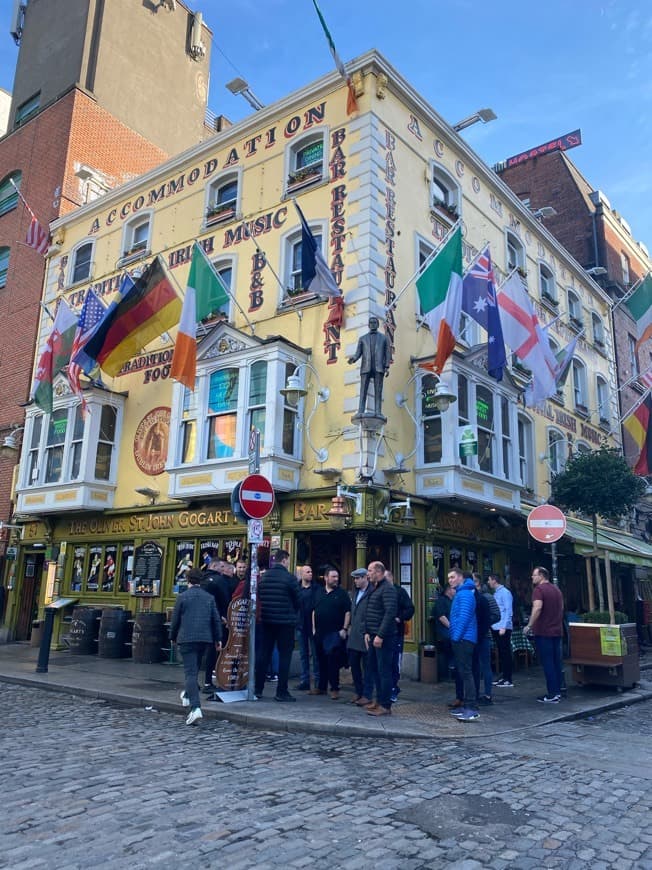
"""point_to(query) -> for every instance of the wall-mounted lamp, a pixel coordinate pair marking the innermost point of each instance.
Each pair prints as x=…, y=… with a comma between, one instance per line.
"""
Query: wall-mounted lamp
x=483, y=115
x=339, y=515
x=11, y=445
x=596, y=271
x=294, y=391
x=148, y=492
x=408, y=513
x=503, y=522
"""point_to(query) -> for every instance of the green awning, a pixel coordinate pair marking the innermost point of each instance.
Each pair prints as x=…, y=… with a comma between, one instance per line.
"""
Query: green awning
x=622, y=546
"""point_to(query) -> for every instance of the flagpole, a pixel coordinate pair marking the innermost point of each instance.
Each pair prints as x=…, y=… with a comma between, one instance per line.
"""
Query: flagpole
x=634, y=408
x=634, y=378
x=630, y=293
x=422, y=268
x=22, y=198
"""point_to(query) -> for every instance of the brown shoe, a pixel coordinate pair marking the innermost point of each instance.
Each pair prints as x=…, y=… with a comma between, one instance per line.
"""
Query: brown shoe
x=362, y=702
x=372, y=705
x=335, y=695
x=455, y=704
x=379, y=711
x=316, y=692
x=355, y=699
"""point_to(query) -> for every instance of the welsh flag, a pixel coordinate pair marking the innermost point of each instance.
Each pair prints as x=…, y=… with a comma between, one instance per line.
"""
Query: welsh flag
x=205, y=294
x=55, y=357
x=440, y=293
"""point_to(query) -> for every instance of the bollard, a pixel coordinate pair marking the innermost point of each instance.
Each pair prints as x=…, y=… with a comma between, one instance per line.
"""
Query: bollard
x=46, y=640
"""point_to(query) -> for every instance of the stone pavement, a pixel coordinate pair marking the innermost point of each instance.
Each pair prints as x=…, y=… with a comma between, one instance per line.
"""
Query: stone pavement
x=420, y=713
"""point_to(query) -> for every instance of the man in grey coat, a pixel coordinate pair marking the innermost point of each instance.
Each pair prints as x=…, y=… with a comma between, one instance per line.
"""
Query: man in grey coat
x=195, y=625
x=374, y=348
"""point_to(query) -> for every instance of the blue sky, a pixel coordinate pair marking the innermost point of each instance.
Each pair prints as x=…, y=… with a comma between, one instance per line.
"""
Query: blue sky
x=546, y=69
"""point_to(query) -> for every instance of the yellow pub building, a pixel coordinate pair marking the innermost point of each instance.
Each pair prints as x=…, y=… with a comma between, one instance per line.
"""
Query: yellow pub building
x=112, y=507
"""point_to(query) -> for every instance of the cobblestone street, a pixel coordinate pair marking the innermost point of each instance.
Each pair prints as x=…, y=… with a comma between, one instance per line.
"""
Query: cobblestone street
x=86, y=784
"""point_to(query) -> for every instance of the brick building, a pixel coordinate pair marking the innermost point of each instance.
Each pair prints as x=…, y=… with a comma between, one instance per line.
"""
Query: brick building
x=85, y=117
x=600, y=239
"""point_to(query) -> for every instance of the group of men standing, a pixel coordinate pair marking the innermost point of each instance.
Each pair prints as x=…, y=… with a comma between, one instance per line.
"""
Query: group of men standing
x=466, y=620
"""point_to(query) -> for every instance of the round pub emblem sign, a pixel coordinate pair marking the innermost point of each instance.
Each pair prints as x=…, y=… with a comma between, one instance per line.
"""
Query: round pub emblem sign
x=151, y=441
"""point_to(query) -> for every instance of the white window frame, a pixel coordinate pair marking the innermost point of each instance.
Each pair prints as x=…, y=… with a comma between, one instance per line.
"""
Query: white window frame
x=525, y=443
x=131, y=227
x=598, y=330
x=625, y=268
x=556, y=450
x=603, y=402
x=224, y=213
x=633, y=356
x=580, y=385
x=278, y=413
x=220, y=264
x=298, y=178
x=496, y=437
x=515, y=254
x=450, y=204
x=33, y=466
x=288, y=243
x=575, y=309
x=72, y=260
x=547, y=285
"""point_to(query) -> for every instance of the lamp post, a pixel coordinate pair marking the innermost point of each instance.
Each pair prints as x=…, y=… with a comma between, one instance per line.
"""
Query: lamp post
x=483, y=115
x=339, y=515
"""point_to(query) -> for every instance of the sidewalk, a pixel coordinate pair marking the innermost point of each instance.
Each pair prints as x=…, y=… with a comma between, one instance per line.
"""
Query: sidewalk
x=420, y=713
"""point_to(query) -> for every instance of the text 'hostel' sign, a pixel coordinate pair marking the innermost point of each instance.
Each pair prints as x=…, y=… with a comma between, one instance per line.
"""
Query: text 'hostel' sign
x=562, y=143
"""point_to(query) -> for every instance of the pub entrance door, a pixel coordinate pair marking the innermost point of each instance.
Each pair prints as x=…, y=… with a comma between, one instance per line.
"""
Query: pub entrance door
x=30, y=587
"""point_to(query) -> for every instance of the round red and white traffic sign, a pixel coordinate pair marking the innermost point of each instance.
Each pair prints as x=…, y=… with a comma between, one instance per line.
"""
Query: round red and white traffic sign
x=546, y=523
x=257, y=496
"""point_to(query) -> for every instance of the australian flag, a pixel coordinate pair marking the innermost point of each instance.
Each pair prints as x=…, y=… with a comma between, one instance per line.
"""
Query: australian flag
x=479, y=302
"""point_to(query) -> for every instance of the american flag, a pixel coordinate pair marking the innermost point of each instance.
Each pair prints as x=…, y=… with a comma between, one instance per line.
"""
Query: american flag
x=91, y=314
x=37, y=237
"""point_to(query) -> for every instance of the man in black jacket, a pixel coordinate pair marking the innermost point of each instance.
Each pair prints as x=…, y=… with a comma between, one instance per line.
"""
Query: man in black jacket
x=196, y=624
x=278, y=594
x=330, y=619
x=380, y=635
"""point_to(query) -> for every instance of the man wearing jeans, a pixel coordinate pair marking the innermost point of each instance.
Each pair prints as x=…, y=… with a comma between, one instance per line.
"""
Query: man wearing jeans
x=380, y=632
x=195, y=625
x=502, y=631
x=279, y=605
x=309, y=591
x=546, y=623
x=464, y=636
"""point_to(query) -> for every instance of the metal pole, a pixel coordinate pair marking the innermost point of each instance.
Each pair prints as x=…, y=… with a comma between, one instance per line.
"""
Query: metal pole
x=555, y=578
x=46, y=640
x=253, y=585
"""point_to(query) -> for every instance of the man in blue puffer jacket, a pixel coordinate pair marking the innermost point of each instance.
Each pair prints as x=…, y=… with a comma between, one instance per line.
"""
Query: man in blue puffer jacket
x=464, y=636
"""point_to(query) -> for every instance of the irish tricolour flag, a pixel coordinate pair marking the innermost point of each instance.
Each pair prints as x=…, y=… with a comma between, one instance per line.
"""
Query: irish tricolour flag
x=205, y=294
x=640, y=307
x=440, y=293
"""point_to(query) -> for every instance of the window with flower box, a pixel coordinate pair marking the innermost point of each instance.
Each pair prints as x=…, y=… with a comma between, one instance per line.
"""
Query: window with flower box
x=136, y=238
x=580, y=387
x=222, y=199
x=445, y=197
x=575, y=310
x=547, y=286
x=306, y=162
x=515, y=254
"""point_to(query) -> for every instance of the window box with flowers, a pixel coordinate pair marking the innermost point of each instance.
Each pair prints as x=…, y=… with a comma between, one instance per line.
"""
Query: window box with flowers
x=521, y=369
x=522, y=272
x=303, y=177
x=582, y=410
x=576, y=323
x=221, y=213
x=448, y=210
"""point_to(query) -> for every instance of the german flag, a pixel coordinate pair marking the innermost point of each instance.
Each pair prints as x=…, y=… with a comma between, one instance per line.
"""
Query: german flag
x=145, y=309
x=638, y=426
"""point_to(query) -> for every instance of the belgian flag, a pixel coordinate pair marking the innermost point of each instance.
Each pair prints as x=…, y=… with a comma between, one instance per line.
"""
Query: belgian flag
x=638, y=426
x=145, y=309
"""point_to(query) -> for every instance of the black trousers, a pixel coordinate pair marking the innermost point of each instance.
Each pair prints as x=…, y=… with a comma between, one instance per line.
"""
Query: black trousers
x=283, y=636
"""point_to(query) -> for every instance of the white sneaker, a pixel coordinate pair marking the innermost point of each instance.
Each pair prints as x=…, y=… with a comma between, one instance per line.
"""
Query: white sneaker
x=185, y=700
x=194, y=716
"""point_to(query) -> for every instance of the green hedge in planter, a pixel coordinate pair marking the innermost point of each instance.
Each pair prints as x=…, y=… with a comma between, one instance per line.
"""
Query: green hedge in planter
x=602, y=616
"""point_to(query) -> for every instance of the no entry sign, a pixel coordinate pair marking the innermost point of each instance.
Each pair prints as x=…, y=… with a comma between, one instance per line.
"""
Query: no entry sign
x=546, y=523
x=256, y=496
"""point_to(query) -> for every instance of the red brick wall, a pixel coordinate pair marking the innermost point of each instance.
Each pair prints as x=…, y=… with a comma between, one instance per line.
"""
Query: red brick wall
x=71, y=131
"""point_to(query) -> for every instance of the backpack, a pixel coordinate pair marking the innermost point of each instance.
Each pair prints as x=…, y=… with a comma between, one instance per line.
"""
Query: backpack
x=487, y=612
x=494, y=609
x=405, y=607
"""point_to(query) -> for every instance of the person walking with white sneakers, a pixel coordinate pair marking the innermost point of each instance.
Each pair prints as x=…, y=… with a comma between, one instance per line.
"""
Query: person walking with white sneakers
x=195, y=626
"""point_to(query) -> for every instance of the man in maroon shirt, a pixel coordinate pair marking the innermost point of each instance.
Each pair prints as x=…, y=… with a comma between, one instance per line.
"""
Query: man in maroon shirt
x=546, y=623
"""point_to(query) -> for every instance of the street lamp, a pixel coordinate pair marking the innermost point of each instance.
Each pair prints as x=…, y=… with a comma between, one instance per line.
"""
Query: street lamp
x=546, y=211
x=240, y=86
x=339, y=515
x=483, y=115
x=408, y=514
x=10, y=445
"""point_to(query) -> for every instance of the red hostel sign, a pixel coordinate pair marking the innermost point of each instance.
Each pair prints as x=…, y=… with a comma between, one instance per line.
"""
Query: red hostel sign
x=563, y=143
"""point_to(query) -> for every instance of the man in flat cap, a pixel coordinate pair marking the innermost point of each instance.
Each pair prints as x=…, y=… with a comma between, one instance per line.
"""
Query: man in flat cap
x=356, y=646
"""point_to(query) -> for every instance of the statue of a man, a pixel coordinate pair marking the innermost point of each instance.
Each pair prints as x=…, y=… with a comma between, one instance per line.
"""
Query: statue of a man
x=374, y=348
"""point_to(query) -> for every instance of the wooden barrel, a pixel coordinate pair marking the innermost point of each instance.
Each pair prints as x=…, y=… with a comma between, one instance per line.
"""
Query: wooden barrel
x=150, y=638
x=84, y=628
x=114, y=633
